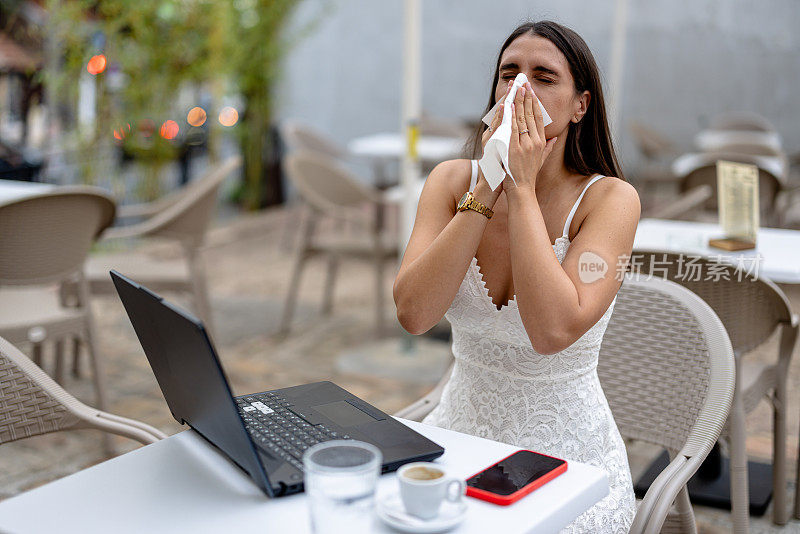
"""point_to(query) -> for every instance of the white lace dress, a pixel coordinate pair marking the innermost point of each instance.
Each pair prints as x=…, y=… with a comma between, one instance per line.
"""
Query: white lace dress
x=502, y=389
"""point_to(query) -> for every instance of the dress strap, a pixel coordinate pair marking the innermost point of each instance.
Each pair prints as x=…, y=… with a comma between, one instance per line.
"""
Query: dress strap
x=575, y=206
x=473, y=181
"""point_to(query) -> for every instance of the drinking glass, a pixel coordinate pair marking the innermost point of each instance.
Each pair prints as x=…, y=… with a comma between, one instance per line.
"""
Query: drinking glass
x=340, y=479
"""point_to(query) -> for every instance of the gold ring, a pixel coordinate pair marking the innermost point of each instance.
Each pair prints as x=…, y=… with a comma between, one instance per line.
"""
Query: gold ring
x=524, y=131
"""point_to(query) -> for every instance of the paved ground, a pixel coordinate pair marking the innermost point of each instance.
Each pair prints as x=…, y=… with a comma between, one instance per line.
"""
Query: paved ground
x=248, y=268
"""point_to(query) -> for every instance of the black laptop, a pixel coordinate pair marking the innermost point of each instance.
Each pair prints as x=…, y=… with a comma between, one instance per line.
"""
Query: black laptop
x=263, y=433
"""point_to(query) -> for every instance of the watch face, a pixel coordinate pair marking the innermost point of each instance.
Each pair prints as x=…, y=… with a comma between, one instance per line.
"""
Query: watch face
x=463, y=201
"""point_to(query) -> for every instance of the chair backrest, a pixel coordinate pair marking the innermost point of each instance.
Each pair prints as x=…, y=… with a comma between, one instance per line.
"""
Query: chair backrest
x=46, y=238
x=747, y=142
x=701, y=169
x=300, y=136
x=749, y=305
x=187, y=219
x=666, y=366
x=32, y=403
x=741, y=121
x=651, y=143
x=326, y=185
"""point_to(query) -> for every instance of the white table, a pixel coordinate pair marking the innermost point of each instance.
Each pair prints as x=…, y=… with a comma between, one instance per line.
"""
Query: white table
x=14, y=190
x=779, y=248
x=181, y=484
x=391, y=145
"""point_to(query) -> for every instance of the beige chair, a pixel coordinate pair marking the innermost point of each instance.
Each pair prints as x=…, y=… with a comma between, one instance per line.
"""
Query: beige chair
x=693, y=170
x=300, y=136
x=671, y=387
x=652, y=144
x=184, y=219
x=739, y=120
x=330, y=191
x=44, y=241
x=31, y=403
x=752, y=308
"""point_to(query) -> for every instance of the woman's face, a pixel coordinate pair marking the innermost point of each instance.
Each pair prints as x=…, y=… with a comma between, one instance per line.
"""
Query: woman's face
x=548, y=72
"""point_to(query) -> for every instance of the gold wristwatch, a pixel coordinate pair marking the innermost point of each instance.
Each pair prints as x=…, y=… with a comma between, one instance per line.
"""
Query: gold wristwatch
x=468, y=202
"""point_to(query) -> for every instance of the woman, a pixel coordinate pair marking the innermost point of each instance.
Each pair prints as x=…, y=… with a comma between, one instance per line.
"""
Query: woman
x=527, y=321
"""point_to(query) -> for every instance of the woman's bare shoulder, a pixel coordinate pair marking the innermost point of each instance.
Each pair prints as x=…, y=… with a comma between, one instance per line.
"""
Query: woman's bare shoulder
x=450, y=177
x=612, y=195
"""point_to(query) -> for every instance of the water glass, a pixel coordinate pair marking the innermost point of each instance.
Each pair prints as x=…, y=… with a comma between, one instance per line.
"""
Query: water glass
x=340, y=479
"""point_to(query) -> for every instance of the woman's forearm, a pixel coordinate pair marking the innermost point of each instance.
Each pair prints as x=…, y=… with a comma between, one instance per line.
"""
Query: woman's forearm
x=424, y=290
x=546, y=297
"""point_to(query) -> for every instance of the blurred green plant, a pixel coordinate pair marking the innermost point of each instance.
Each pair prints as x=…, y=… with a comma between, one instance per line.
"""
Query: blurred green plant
x=154, y=49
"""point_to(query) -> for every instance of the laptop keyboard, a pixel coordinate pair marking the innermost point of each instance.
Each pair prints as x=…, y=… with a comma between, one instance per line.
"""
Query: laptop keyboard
x=278, y=431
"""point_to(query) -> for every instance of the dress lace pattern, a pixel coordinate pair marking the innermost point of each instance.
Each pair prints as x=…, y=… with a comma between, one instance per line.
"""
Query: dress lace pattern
x=502, y=389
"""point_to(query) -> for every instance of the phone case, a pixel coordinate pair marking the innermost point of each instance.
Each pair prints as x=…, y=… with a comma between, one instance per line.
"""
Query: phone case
x=505, y=500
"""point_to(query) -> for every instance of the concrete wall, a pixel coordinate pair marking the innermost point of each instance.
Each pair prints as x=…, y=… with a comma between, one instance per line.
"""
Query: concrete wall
x=686, y=61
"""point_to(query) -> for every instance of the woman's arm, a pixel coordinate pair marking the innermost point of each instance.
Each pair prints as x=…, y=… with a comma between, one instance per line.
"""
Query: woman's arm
x=442, y=245
x=560, y=302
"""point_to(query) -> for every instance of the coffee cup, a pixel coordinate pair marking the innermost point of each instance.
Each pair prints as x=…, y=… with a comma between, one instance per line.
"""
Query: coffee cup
x=423, y=487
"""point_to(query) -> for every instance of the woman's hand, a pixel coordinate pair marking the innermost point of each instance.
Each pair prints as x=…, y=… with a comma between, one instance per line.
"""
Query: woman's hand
x=528, y=148
x=482, y=191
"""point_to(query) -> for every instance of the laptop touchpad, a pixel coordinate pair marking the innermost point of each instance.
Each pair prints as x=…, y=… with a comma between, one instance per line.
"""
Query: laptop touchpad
x=344, y=414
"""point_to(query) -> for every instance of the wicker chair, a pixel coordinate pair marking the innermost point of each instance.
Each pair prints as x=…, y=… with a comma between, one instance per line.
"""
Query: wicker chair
x=752, y=308
x=31, y=403
x=744, y=121
x=331, y=191
x=44, y=241
x=665, y=344
x=186, y=220
x=693, y=170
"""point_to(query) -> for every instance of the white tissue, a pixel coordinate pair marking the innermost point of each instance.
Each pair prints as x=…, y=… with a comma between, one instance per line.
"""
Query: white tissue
x=494, y=162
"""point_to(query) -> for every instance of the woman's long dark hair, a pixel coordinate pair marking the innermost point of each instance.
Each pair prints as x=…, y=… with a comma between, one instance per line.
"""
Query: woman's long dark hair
x=589, y=148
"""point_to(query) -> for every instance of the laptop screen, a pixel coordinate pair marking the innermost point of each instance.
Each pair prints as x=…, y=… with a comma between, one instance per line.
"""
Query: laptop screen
x=189, y=374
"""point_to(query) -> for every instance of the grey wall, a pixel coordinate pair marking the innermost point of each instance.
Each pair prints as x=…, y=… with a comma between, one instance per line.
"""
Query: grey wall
x=686, y=61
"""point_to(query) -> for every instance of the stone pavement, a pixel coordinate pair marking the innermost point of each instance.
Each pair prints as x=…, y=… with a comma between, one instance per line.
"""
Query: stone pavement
x=248, y=269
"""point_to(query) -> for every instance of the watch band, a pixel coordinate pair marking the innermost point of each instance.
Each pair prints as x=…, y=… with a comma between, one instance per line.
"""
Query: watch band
x=469, y=202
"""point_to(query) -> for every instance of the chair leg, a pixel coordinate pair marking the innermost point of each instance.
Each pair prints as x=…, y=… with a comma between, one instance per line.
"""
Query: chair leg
x=199, y=287
x=330, y=284
x=779, y=512
x=76, y=357
x=303, y=253
x=59, y=357
x=740, y=495
x=36, y=353
x=683, y=505
x=780, y=515
x=797, y=485
x=380, y=321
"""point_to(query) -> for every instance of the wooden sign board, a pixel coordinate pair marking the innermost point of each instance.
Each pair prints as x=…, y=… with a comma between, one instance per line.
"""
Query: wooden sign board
x=737, y=200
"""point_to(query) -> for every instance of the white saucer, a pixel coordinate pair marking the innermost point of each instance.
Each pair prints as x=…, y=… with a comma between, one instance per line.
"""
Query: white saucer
x=392, y=512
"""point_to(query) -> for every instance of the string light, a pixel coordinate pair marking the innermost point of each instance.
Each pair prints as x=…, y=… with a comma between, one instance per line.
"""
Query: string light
x=96, y=65
x=228, y=116
x=196, y=116
x=169, y=130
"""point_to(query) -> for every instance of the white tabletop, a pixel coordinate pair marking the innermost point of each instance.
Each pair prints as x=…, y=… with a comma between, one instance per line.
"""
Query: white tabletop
x=14, y=190
x=779, y=248
x=181, y=484
x=391, y=145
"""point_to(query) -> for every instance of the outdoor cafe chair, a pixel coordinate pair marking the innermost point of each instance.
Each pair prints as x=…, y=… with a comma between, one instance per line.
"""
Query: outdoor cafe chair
x=739, y=120
x=752, y=308
x=31, y=403
x=44, y=242
x=184, y=219
x=667, y=369
x=331, y=192
x=693, y=170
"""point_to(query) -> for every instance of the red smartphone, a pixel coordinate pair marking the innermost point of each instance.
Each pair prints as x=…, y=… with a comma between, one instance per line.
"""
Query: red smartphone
x=513, y=477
